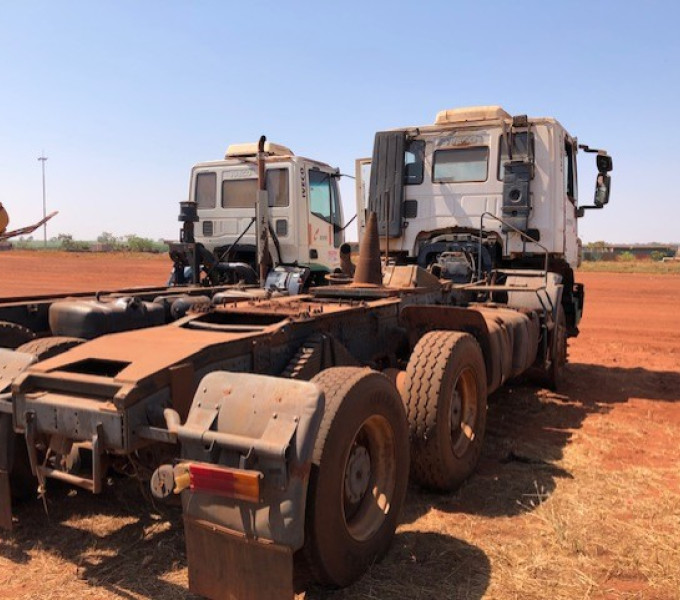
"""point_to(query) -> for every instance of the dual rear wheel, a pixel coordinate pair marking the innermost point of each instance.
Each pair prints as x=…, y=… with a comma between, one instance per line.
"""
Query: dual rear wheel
x=359, y=474
x=361, y=459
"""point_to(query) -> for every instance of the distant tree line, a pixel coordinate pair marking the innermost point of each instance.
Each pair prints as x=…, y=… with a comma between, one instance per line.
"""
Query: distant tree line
x=601, y=250
x=105, y=242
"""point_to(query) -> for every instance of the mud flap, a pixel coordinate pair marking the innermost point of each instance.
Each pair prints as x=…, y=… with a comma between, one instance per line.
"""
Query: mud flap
x=241, y=546
x=5, y=501
x=228, y=566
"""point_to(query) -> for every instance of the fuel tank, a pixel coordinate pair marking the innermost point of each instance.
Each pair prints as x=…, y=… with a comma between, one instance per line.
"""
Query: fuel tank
x=89, y=319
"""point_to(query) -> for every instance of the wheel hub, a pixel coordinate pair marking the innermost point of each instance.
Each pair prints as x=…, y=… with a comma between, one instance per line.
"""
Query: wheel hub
x=456, y=411
x=357, y=474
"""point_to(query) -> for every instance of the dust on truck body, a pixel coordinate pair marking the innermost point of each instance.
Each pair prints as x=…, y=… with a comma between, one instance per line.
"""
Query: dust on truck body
x=296, y=421
x=481, y=189
x=305, y=211
x=291, y=417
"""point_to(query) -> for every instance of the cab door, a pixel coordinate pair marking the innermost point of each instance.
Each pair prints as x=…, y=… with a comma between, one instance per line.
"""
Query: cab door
x=325, y=219
x=570, y=244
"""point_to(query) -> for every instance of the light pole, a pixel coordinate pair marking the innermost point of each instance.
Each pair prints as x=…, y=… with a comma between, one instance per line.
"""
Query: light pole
x=43, y=159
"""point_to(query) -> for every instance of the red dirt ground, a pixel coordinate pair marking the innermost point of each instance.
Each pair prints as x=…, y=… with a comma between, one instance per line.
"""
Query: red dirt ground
x=24, y=272
x=577, y=493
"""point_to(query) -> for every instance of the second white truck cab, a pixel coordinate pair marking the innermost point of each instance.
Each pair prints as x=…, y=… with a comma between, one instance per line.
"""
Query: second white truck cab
x=305, y=210
x=481, y=189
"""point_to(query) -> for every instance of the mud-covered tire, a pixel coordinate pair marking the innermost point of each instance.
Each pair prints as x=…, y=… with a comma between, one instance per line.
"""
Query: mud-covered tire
x=44, y=348
x=359, y=475
x=445, y=397
x=558, y=351
x=13, y=335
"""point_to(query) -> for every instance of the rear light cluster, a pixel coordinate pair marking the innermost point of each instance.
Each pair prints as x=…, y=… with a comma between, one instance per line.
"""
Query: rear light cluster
x=223, y=481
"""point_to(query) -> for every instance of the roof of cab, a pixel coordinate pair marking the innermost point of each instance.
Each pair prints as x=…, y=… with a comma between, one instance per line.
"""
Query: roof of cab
x=472, y=117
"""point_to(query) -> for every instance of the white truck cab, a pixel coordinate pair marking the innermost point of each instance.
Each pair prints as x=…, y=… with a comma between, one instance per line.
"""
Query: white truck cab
x=305, y=211
x=480, y=189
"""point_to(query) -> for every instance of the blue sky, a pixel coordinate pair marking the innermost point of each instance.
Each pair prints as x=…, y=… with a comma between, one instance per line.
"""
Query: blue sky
x=125, y=96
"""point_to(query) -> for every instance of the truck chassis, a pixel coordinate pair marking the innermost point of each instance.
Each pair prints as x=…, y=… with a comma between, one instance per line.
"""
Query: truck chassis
x=294, y=422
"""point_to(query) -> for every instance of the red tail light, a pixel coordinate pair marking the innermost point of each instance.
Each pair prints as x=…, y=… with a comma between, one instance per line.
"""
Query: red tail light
x=224, y=481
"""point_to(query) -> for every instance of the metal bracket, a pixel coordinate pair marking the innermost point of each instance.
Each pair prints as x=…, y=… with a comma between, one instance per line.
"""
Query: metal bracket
x=43, y=472
x=270, y=449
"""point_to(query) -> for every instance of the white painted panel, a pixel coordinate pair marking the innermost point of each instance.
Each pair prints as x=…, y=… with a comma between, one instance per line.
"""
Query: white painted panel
x=474, y=205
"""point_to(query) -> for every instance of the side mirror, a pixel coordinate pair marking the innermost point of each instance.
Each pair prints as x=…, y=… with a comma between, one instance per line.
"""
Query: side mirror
x=602, y=188
x=604, y=163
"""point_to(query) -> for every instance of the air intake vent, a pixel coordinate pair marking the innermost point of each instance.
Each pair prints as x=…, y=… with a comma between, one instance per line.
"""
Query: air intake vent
x=207, y=228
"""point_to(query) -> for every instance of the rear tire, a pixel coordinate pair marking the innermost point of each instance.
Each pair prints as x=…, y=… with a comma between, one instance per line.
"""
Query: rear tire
x=13, y=335
x=44, y=348
x=445, y=397
x=558, y=351
x=359, y=475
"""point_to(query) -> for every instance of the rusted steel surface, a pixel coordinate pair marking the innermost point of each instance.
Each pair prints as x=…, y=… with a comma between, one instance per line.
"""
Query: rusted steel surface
x=260, y=424
x=226, y=385
x=33, y=311
x=227, y=566
x=124, y=380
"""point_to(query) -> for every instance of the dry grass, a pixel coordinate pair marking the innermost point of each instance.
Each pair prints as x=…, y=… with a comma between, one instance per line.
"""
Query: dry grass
x=541, y=526
x=577, y=495
x=633, y=266
x=548, y=515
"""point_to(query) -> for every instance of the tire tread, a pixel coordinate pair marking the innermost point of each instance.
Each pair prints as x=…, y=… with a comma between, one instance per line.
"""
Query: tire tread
x=47, y=347
x=424, y=378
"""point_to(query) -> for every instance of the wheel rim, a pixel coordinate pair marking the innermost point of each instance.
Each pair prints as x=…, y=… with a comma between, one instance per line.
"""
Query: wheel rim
x=463, y=412
x=369, y=478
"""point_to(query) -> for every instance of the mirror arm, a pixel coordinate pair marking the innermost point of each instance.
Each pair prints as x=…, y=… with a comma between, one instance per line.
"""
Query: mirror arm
x=587, y=148
x=581, y=210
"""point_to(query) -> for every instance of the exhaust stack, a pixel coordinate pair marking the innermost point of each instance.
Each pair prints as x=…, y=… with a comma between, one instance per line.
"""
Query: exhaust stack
x=264, y=259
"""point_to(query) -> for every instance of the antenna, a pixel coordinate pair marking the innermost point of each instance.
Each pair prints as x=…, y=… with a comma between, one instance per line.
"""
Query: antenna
x=42, y=158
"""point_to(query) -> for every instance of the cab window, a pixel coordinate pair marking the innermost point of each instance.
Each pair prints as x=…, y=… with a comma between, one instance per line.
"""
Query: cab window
x=324, y=201
x=414, y=162
x=458, y=165
x=320, y=195
x=337, y=213
x=241, y=193
x=277, y=187
x=205, y=192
